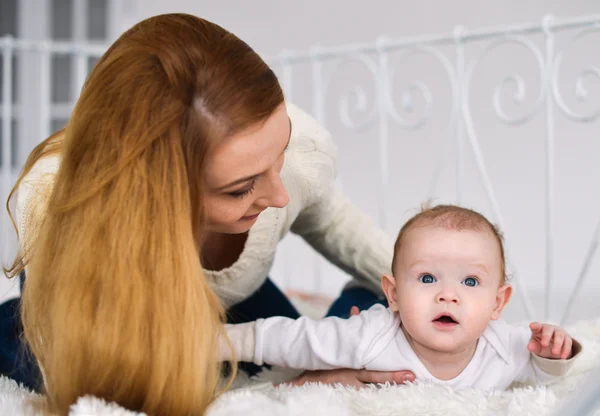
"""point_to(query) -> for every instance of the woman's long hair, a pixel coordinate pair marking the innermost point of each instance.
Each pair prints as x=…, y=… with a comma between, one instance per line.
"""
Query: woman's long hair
x=115, y=303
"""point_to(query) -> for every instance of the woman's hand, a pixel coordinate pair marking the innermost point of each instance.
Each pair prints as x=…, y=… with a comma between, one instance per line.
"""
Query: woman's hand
x=353, y=378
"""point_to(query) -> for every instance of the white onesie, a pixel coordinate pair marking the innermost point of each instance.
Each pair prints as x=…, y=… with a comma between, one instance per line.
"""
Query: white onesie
x=373, y=340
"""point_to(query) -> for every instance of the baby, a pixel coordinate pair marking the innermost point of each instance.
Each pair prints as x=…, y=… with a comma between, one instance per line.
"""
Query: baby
x=445, y=298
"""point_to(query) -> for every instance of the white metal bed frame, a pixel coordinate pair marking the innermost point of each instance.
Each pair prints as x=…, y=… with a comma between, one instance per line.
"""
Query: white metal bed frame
x=375, y=58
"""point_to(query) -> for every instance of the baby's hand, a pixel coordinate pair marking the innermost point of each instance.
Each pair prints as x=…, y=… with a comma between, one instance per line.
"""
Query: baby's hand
x=549, y=341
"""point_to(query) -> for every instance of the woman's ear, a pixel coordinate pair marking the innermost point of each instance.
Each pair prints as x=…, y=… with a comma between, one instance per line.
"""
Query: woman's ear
x=388, y=284
x=502, y=298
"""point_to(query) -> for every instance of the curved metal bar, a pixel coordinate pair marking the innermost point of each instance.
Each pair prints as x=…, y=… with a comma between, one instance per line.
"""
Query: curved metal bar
x=581, y=93
x=514, y=80
x=416, y=87
x=356, y=97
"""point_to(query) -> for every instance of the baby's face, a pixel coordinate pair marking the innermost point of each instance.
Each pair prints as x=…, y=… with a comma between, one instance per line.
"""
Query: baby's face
x=448, y=286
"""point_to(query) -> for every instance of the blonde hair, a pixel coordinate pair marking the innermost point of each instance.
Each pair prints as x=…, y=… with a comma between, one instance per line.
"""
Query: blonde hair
x=451, y=217
x=115, y=303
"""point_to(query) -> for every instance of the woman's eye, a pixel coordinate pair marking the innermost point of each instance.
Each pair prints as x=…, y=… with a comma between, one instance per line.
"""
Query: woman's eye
x=470, y=281
x=244, y=192
x=427, y=278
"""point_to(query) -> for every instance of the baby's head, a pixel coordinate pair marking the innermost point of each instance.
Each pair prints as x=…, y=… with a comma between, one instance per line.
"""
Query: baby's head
x=448, y=277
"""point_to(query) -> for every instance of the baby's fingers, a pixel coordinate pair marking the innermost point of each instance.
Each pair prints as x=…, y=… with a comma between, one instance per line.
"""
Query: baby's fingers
x=536, y=326
x=567, y=348
x=557, y=343
x=547, y=332
x=534, y=346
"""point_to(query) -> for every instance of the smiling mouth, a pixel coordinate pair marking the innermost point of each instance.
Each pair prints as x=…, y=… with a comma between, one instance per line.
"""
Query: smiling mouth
x=445, y=319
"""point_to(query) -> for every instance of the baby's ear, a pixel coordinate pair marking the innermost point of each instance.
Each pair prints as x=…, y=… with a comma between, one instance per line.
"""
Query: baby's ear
x=502, y=298
x=388, y=284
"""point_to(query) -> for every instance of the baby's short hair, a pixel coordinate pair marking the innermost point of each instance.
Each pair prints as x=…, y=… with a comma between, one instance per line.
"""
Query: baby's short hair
x=455, y=218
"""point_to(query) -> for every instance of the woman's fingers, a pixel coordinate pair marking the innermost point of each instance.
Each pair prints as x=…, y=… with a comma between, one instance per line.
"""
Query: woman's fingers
x=380, y=377
x=354, y=378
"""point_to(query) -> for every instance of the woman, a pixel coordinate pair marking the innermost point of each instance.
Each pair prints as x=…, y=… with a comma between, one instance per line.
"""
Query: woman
x=160, y=206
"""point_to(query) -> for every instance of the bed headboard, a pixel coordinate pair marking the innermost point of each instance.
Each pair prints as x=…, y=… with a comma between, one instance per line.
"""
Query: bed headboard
x=499, y=119
x=503, y=120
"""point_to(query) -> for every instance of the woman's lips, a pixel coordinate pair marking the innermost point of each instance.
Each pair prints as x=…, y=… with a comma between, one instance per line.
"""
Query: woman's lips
x=250, y=217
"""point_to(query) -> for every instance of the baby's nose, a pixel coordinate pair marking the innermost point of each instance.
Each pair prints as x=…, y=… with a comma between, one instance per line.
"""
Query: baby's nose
x=447, y=296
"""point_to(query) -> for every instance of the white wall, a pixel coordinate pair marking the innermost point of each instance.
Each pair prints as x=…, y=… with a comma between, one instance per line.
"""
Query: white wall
x=270, y=25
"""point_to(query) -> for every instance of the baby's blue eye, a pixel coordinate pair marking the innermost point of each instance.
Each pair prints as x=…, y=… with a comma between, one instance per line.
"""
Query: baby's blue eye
x=470, y=281
x=427, y=278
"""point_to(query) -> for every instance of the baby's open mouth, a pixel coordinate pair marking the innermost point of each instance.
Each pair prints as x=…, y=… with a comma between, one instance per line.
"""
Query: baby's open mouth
x=445, y=319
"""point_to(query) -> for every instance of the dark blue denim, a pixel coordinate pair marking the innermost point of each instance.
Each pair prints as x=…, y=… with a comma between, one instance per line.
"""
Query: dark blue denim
x=355, y=296
x=15, y=360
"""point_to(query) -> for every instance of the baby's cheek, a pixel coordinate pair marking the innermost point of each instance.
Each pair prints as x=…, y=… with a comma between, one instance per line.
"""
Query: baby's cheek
x=405, y=301
x=481, y=307
x=410, y=311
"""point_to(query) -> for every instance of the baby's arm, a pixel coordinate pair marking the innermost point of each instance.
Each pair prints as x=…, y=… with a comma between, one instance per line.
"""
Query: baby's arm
x=311, y=344
x=552, y=353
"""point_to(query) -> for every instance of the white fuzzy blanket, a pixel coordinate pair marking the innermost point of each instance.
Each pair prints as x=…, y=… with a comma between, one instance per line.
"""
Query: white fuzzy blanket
x=260, y=398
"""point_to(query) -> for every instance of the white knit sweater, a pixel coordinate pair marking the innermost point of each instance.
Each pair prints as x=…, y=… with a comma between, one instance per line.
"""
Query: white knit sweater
x=317, y=211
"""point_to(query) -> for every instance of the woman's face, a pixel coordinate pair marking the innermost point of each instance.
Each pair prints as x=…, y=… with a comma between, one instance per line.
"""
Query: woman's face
x=242, y=175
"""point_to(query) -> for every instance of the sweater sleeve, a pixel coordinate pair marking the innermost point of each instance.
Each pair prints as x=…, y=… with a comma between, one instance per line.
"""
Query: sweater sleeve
x=32, y=199
x=330, y=222
x=309, y=344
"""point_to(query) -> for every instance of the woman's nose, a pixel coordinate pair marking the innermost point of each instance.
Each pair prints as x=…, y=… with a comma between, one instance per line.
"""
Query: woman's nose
x=275, y=195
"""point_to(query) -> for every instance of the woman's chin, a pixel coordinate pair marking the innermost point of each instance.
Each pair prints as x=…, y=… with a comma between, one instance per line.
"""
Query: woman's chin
x=238, y=227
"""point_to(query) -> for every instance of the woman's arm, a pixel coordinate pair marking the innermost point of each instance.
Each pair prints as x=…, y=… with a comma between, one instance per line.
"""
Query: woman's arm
x=354, y=378
x=328, y=220
x=347, y=237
